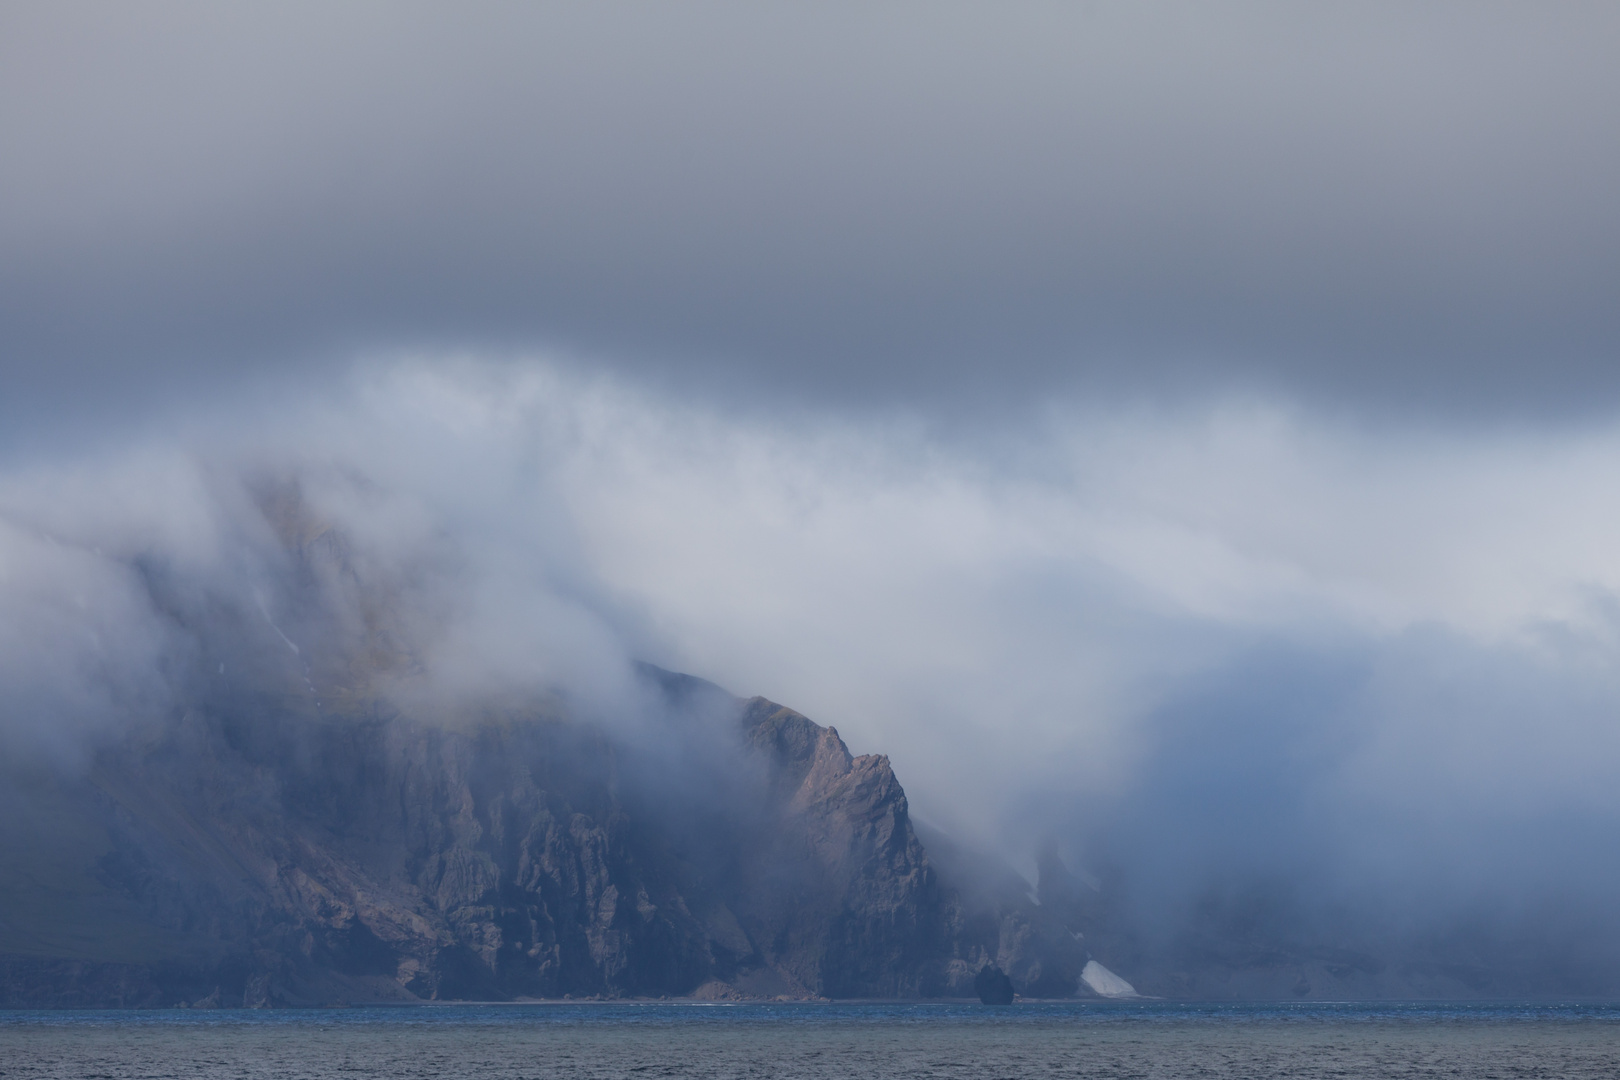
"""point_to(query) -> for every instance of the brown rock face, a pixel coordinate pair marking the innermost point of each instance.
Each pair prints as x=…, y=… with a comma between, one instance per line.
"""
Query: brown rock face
x=279, y=858
x=289, y=836
x=841, y=896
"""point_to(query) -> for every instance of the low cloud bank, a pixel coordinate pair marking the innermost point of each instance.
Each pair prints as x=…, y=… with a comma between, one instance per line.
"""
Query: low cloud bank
x=1369, y=671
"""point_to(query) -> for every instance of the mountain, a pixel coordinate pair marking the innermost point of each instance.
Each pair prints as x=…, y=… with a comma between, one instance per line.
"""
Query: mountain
x=301, y=823
x=311, y=814
x=248, y=853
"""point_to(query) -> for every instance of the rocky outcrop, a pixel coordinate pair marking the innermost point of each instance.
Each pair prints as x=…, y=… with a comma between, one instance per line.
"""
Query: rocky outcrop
x=292, y=833
x=283, y=858
x=841, y=898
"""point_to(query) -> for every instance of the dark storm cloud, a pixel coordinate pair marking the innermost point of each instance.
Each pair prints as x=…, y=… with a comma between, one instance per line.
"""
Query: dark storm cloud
x=1392, y=205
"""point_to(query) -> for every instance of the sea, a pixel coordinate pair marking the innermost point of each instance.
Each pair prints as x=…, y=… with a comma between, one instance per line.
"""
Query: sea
x=639, y=1041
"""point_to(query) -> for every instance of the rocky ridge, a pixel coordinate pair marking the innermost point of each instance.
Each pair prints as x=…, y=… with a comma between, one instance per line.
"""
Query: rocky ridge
x=270, y=858
x=296, y=830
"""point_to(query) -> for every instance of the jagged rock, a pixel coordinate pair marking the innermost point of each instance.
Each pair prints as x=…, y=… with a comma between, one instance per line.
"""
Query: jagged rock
x=993, y=986
x=378, y=857
x=842, y=897
x=294, y=834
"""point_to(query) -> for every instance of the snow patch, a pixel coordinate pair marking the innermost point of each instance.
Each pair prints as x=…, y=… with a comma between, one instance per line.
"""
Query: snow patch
x=1105, y=982
x=265, y=611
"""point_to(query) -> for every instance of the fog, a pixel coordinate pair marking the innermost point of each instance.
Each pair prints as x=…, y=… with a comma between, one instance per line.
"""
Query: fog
x=1181, y=435
x=1235, y=647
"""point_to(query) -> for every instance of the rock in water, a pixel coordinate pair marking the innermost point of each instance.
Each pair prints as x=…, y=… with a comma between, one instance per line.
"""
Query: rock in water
x=993, y=986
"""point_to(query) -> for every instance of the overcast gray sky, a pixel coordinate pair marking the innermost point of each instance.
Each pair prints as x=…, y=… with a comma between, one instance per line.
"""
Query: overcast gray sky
x=1286, y=541
x=1375, y=205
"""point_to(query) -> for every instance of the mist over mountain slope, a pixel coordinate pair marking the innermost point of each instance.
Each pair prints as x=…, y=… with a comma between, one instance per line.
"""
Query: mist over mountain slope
x=1229, y=770
x=1182, y=438
x=305, y=823
x=272, y=858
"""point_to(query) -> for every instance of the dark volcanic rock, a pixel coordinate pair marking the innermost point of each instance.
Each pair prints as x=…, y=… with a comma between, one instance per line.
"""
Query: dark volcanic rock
x=993, y=986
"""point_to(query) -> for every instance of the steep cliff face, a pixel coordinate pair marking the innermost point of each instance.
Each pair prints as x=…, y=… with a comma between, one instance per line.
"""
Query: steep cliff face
x=402, y=858
x=841, y=896
x=274, y=857
x=290, y=832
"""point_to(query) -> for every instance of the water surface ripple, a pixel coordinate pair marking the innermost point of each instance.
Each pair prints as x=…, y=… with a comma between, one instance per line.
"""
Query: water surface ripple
x=591, y=1041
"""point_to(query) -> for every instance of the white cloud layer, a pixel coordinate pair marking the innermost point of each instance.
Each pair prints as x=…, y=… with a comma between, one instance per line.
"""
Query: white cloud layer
x=1237, y=632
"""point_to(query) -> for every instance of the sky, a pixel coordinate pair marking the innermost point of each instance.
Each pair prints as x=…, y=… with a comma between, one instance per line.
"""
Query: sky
x=1185, y=432
x=1388, y=205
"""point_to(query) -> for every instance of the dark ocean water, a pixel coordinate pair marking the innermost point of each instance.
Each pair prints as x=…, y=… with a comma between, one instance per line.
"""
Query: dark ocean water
x=1099, y=1041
